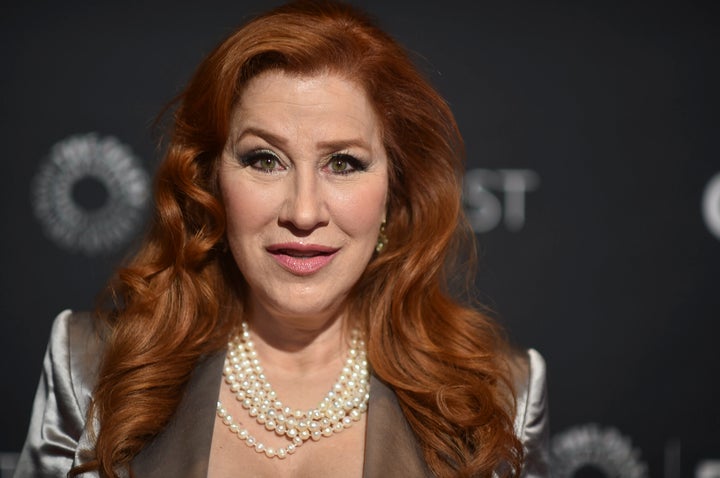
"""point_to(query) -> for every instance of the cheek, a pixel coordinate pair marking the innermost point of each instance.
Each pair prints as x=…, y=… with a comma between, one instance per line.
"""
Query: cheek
x=246, y=208
x=362, y=210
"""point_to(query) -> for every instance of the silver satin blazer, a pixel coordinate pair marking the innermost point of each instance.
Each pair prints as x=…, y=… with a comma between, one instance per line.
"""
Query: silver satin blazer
x=58, y=438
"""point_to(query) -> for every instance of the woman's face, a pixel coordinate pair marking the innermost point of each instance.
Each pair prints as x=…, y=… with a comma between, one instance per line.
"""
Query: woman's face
x=304, y=179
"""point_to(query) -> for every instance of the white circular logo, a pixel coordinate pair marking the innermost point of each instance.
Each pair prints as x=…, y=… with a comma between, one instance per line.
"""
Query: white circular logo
x=711, y=205
x=606, y=450
x=90, y=194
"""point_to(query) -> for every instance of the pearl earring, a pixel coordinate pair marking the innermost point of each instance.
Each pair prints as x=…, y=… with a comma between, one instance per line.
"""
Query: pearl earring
x=382, y=238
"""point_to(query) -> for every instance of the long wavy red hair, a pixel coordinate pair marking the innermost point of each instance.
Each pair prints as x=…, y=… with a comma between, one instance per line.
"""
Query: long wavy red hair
x=181, y=295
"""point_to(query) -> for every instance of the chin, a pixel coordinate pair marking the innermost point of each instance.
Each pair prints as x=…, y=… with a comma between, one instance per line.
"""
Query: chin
x=300, y=306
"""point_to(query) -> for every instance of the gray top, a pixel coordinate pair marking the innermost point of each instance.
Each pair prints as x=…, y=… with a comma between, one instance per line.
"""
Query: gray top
x=59, y=436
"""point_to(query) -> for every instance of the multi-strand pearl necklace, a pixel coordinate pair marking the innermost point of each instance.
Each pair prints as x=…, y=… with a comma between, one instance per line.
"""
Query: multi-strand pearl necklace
x=342, y=406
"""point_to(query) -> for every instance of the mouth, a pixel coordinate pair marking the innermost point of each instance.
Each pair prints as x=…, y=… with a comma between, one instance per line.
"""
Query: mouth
x=302, y=259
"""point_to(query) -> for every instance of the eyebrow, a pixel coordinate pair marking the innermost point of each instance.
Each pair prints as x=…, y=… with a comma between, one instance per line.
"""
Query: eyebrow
x=276, y=140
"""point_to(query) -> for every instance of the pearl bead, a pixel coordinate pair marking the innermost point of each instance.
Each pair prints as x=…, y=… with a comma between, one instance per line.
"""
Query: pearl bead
x=341, y=406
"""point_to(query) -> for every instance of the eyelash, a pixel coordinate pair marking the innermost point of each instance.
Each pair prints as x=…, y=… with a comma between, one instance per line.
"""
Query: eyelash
x=352, y=162
x=252, y=158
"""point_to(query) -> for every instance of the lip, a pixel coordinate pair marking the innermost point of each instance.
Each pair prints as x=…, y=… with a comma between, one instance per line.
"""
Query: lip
x=302, y=259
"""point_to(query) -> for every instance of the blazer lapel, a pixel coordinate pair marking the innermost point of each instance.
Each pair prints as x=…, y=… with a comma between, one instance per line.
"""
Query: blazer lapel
x=391, y=448
x=183, y=447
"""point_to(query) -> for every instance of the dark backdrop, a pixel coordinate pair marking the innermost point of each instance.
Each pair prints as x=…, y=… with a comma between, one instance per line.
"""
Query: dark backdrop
x=592, y=136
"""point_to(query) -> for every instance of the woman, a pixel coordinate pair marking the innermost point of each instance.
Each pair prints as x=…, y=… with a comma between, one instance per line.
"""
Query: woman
x=305, y=209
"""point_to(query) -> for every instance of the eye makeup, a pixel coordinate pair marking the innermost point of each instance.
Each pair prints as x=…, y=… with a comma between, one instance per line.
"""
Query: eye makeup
x=345, y=163
x=262, y=159
x=267, y=161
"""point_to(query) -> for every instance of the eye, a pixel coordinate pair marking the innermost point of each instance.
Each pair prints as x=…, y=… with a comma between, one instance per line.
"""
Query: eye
x=262, y=160
x=343, y=163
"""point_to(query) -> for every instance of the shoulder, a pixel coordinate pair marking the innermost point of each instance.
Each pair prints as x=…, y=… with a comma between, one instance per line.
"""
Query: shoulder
x=75, y=350
x=70, y=325
x=528, y=370
x=57, y=436
x=531, y=419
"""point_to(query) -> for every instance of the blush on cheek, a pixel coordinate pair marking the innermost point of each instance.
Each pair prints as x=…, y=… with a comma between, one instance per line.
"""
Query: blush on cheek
x=361, y=212
x=249, y=207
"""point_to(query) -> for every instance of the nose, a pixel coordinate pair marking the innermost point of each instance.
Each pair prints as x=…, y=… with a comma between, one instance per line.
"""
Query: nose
x=305, y=208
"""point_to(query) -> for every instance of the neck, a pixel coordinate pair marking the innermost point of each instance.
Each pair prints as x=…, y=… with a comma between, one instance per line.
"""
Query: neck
x=335, y=407
x=299, y=346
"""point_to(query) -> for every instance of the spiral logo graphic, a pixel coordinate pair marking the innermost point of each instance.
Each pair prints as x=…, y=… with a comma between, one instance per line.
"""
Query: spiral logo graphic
x=90, y=194
x=711, y=205
x=589, y=446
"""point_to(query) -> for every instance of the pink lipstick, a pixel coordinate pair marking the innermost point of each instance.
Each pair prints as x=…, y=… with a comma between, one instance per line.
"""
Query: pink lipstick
x=302, y=259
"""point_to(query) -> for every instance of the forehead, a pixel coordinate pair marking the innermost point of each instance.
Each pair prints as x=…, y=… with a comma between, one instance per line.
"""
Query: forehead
x=324, y=98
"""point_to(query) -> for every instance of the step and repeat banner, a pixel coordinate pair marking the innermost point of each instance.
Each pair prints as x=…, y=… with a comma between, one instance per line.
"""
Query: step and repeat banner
x=593, y=184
